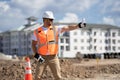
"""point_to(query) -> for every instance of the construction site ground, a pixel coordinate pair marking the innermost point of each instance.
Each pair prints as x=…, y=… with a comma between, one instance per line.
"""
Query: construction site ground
x=71, y=69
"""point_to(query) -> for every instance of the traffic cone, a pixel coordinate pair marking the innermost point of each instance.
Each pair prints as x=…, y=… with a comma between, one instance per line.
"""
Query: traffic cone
x=28, y=72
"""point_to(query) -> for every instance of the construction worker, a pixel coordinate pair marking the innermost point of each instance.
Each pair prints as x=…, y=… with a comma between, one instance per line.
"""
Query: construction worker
x=46, y=39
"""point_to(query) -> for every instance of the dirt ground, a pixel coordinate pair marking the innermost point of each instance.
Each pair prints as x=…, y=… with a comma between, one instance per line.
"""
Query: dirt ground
x=71, y=69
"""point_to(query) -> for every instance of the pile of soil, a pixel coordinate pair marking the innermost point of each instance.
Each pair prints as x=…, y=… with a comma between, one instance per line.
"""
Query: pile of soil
x=70, y=69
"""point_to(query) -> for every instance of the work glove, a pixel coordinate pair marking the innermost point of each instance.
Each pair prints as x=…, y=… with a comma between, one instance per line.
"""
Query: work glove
x=39, y=58
x=82, y=24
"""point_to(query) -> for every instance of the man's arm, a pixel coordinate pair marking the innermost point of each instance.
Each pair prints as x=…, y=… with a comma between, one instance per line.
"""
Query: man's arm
x=36, y=55
x=34, y=43
x=69, y=28
x=73, y=27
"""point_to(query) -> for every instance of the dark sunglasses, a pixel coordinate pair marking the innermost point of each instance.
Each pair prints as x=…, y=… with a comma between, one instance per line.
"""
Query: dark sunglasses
x=48, y=19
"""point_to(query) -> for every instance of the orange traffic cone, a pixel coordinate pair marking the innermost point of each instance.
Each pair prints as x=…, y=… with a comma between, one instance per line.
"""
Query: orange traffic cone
x=28, y=72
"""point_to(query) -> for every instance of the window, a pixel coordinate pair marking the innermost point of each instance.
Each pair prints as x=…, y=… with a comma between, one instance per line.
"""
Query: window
x=66, y=34
x=113, y=41
x=94, y=33
x=67, y=48
x=90, y=47
x=67, y=41
x=75, y=40
x=75, y=47
x=107, y=34
x=62, y=47
x=118, y=48
x=106, y=48
x=75, y=33
x=106, y=41
x=118, y=41
x=62, y=40
x=95, y=40
x=113, y=34
x=82, y=48
x=95, y=47
x=114, y=48
x=119, y=33
x=82, y=40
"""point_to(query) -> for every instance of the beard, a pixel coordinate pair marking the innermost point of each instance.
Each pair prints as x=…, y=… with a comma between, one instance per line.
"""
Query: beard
x=49, y=24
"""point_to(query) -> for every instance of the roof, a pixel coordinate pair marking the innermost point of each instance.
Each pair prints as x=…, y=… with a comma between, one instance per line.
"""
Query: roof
x=32, y=18
x=102, y=26
x=32, y=27
x=18, y=28
x=25, y=28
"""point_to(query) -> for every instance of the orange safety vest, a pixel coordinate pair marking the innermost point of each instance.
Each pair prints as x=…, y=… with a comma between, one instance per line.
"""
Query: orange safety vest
x=47, y=43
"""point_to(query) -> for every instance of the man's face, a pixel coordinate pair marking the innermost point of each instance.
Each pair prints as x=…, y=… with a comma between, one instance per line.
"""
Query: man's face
x=48, y=22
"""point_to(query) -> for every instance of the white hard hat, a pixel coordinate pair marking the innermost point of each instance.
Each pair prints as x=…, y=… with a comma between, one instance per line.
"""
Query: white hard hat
x=48, y=14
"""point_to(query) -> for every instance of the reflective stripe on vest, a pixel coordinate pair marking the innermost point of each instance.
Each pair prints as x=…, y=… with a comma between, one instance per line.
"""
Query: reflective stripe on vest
x=47, y=43
x=41, y=45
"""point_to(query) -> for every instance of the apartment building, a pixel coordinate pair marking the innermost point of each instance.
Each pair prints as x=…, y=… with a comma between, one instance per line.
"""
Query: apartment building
x=18, y=41
x=94, y=39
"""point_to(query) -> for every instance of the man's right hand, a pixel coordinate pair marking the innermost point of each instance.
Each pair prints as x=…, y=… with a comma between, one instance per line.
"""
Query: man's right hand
x=39, y=58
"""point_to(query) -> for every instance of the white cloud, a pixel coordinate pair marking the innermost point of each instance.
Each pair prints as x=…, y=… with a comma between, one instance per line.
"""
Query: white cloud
x=74, y=5
x=110, y=6
x=35, y=4
x=13, y=14
x=4, y=7
x=116, y=7
x=108, y=20
x=10, y=17
x=31, y=7
x=70, y=17
x=83, y=5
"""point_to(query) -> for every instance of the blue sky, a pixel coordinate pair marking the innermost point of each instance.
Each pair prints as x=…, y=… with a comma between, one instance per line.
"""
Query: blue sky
x=14, y=12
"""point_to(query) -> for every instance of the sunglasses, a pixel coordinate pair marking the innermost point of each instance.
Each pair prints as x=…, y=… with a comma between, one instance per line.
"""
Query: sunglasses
x=48, y=19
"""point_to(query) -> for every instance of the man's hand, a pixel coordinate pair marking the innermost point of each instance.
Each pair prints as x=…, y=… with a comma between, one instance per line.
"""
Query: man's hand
x=39, y=58
x=81, y=25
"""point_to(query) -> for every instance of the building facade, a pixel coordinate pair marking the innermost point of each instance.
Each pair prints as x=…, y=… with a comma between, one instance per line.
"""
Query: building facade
x=94, y=39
